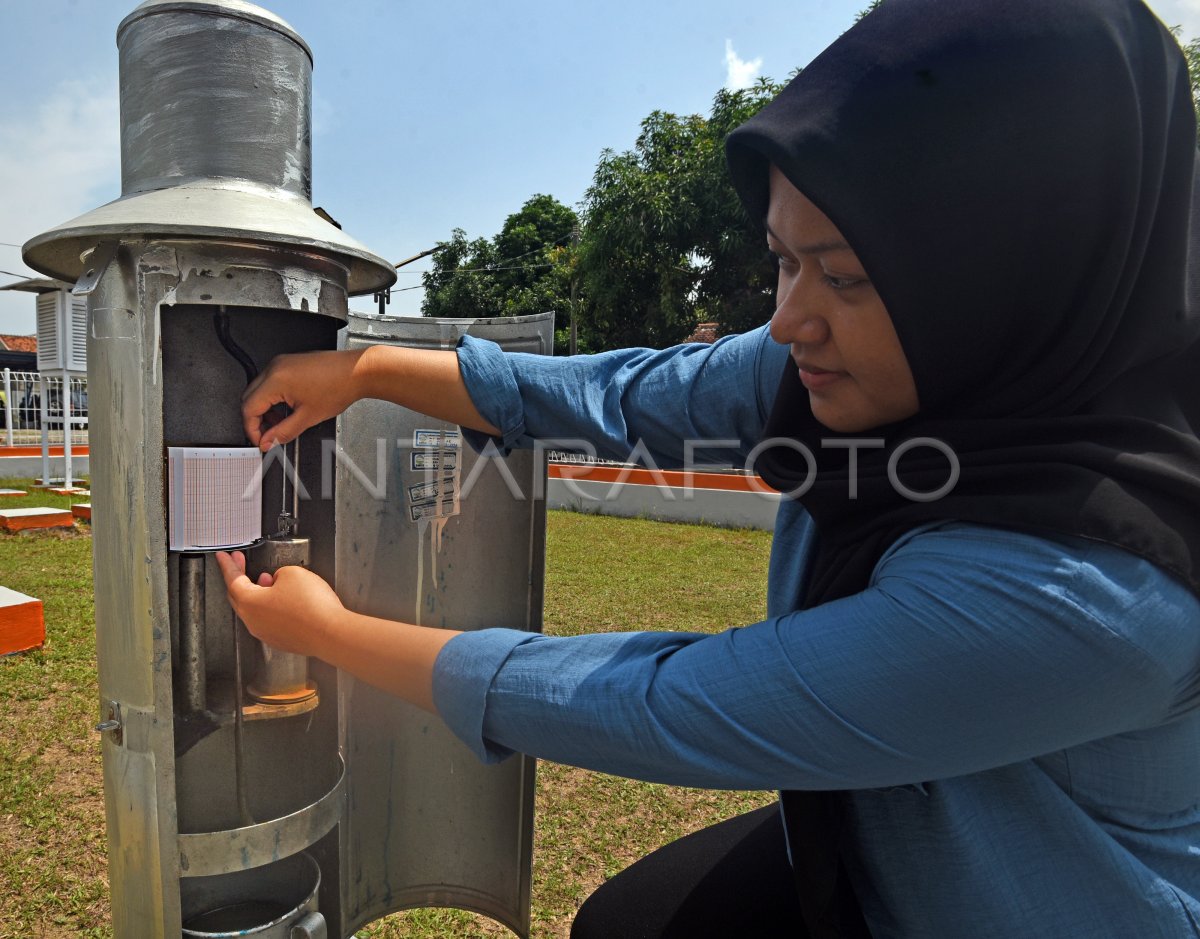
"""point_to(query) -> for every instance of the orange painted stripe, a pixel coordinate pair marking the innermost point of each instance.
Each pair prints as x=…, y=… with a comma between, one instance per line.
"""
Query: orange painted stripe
x=22, y=626
x=82, y=510
x=727, y=482
x=36, y=450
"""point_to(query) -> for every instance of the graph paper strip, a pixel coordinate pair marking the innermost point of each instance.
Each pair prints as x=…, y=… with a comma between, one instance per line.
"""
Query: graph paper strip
x=215, y=496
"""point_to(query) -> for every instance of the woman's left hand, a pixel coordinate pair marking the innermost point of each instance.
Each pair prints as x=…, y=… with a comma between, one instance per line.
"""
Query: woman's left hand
x=293, y=611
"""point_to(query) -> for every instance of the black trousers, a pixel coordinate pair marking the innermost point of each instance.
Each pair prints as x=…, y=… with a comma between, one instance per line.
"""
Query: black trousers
x=729, y=881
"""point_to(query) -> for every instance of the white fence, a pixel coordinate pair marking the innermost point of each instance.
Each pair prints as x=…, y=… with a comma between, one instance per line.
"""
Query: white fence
x=32, y=403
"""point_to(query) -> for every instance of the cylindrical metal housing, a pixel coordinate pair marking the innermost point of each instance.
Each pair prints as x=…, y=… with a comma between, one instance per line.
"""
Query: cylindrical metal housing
x=214, y=258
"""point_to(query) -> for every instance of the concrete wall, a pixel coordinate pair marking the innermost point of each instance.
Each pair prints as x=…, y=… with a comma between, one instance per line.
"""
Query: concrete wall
x=30, y=467
x=665, y=499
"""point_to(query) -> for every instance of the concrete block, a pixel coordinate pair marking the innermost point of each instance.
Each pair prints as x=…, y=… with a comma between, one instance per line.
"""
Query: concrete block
x=22, y=626
x=12, y=492
x=82, y=510
x=25, y=519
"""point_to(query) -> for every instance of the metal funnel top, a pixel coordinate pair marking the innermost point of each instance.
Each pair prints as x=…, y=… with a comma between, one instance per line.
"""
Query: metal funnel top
x=216, y=102
x=231, y=8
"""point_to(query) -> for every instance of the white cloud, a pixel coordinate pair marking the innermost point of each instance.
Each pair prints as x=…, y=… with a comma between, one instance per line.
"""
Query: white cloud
x=59, y=158
x=324, y=115
x=738, y=72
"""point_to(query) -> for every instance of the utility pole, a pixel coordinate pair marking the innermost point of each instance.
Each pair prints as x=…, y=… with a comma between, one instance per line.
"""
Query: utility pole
x=573, y=346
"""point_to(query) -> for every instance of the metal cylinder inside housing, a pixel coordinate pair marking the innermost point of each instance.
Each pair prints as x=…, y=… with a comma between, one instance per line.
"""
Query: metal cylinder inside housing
x=282, y=677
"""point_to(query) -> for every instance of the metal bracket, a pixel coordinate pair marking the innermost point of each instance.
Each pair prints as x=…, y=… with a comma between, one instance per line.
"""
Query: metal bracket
x=97, y=261
x=112, y=724
x=383, y=298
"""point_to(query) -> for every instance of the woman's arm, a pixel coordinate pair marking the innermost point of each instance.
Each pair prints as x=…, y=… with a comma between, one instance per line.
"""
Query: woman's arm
x=702, y=403
x=319, y=385
x=973, y=648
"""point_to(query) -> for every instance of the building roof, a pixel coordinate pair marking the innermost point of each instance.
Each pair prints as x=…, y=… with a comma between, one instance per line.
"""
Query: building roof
x=704, y=332
x=38, y=285
x=18, y=343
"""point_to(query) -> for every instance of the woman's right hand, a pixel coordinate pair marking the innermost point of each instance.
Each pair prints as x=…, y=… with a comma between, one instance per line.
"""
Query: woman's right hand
x=314, y=385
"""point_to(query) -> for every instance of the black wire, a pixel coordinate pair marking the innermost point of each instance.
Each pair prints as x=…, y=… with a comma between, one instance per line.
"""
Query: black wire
x=221, y=324
x=517, y=257
x=482, y=270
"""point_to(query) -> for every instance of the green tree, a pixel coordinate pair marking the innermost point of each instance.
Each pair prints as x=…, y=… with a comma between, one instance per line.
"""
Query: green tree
x=665, y=242
x=459, y=282
x=522, y=270
x=871, y=6
x=1192, y=51
x=537, y=239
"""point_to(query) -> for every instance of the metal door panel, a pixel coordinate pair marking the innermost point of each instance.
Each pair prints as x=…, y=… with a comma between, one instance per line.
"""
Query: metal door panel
x=428, y=824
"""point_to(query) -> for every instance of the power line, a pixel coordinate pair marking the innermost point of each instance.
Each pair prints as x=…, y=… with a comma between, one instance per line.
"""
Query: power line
x=548, y=244
x=484, y=270
x=11, y=274
x=494, y=267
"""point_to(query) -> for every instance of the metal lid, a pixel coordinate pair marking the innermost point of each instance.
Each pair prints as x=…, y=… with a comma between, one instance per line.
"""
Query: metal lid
x=226, y=210
x=232, y=8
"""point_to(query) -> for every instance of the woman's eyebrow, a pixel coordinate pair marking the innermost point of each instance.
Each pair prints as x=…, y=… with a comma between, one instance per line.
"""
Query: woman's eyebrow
x=820, y=247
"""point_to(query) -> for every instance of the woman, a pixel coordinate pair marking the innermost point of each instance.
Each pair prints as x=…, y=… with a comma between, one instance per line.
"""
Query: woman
x=977, y=685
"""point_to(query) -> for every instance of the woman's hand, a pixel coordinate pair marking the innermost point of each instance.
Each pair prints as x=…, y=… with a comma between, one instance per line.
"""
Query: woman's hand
x=296, y=611
x=321, y=385
x=293, y=611
x=315, y=385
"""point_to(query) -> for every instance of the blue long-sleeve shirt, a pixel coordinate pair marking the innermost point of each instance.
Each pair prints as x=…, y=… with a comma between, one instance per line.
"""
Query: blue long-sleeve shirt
x=1014, y=716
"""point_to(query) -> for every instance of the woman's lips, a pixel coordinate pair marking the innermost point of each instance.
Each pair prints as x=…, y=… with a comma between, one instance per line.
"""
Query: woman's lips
x=814, y=379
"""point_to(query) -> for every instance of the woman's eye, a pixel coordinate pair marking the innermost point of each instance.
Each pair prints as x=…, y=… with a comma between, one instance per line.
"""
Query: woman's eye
x=781, y=263
x=843, y=283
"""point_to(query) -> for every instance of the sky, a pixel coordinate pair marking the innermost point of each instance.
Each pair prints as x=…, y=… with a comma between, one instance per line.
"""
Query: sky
x=427, y=117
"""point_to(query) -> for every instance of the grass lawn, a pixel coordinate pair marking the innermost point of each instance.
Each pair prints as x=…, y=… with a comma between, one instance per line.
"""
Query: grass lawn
x=626, y=574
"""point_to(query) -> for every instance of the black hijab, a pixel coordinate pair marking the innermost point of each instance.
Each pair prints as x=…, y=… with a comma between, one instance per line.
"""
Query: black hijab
x=1017, y=180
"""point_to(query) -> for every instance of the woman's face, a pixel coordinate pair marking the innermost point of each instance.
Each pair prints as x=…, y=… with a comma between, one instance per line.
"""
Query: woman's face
x=841, y=336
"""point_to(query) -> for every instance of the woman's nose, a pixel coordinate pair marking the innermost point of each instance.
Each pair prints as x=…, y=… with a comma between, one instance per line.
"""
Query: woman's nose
x=797, y=321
